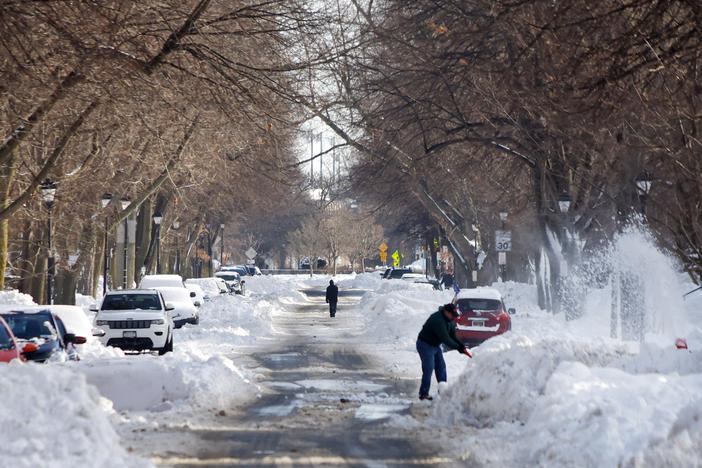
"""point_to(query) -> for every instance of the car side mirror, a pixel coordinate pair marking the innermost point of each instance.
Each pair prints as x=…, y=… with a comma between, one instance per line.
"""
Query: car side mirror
x=169, y=307
x=29, y=348
x=192, y=294
x=511, y=311
x=197, y=303
x=98, y=332
x=93, y=308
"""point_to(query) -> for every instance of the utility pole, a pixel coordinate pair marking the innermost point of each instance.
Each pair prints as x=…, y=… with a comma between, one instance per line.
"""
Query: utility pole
x=311, y=159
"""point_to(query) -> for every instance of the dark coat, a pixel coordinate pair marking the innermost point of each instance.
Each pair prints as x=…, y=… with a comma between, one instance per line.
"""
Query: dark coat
x=332, y=293
x=437, y=329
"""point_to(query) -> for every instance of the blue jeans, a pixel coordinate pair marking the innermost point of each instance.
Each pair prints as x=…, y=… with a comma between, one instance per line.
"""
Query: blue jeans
x=432, y=361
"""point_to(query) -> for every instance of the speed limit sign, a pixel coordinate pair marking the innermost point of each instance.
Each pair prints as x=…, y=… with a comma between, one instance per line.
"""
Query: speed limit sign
x=503, y=241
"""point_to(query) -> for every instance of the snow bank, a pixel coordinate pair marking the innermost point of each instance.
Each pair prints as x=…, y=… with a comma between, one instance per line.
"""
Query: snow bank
x=13, y=296
x=55, y=418
x=199, y=373
x=168, y=382
x=606, y=417
x=508, y=374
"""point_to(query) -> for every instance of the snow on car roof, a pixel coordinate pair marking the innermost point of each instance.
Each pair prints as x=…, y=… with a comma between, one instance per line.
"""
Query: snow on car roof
x=133, y=291
x=172, y=277
x=20, y=308
x=480, y=293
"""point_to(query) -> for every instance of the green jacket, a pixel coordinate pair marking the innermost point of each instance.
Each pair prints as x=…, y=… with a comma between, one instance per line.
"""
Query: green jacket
x=437, y=329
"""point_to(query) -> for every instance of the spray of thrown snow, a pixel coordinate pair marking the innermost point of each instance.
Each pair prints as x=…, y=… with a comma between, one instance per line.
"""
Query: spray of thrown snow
x=630, y=289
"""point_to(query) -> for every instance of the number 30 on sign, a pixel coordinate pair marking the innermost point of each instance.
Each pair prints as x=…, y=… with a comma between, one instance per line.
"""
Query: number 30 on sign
x=503, y=241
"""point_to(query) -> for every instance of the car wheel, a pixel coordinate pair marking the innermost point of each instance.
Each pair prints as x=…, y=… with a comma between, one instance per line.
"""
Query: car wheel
x=168, y=348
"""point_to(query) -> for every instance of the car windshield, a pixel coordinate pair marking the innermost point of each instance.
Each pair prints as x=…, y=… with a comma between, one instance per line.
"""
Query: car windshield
x=29, y=326
x=131, y=302
x=228, y=277
x=467, y=305
x=398, y=273
x=5, y=340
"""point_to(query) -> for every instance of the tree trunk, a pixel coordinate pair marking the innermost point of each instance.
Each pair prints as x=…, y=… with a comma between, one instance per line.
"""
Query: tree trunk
x=7, y=174
x=38, y=286
x=143, y=237
x=98, y=264
x=27, y=258
x=65, y=286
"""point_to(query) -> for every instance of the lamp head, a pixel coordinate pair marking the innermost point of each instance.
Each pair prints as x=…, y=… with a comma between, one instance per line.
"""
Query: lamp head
x=48, y=192
x=564, y=201
x=157, y=217
x=644, y=182
x=106, y=199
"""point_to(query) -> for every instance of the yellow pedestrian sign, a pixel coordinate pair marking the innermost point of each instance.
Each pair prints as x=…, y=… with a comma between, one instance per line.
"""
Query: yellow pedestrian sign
x=396, y=258
x=383, y=247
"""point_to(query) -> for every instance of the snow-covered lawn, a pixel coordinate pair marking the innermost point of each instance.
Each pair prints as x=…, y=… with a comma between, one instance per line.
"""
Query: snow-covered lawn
x=547, y=393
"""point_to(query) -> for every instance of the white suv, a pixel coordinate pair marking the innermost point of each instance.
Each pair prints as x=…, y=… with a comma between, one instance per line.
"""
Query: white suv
x=135, y=320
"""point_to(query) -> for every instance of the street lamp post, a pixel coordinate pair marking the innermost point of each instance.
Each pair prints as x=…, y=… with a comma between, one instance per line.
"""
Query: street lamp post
x=503, y=255
x=643, y=183
x=125, y=202
x=474, y=273
x=48, y=194
x=221, y=246
x=158, y=217
x=104, y=201
x=176, y=226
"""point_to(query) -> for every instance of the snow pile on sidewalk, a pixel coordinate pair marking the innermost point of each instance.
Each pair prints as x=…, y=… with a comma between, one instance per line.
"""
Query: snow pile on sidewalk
x=54, y=418
x=395, y=310
x=13, y=296
x=199, y=373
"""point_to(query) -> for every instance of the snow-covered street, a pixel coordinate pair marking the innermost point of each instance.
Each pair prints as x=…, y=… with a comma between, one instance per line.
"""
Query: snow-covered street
x=321, y=397
x=270, y=379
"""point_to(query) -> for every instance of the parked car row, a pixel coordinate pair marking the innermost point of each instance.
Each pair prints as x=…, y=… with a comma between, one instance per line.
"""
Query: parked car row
x=144, y=319
x=41, y=333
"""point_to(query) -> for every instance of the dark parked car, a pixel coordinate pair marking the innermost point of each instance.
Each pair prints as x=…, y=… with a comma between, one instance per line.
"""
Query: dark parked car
x=305, y=264
x=39, y=326
x=253, y=270
x=240, y=269
x=396, y=273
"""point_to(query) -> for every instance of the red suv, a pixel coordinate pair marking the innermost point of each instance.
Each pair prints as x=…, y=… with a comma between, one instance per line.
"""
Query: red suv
x=482, y=315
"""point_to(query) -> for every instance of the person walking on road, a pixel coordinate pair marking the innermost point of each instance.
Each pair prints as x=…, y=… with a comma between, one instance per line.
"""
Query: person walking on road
x=437, y=330
x=332, y=297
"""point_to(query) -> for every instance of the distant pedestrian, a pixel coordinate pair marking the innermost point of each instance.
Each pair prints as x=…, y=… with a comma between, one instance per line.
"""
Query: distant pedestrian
x=438, y=329
x=332, y=297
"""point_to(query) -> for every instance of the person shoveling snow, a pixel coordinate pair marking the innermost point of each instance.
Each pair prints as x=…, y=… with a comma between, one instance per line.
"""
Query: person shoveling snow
x=437, y=330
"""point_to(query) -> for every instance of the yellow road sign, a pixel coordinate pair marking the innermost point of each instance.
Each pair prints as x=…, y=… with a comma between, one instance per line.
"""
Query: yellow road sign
x=383, y=247
x=396, y=258
x=383, y=256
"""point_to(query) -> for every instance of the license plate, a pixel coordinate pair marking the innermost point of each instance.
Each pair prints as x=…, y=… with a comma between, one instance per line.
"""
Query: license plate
x=129, y=334
x=478, y=323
